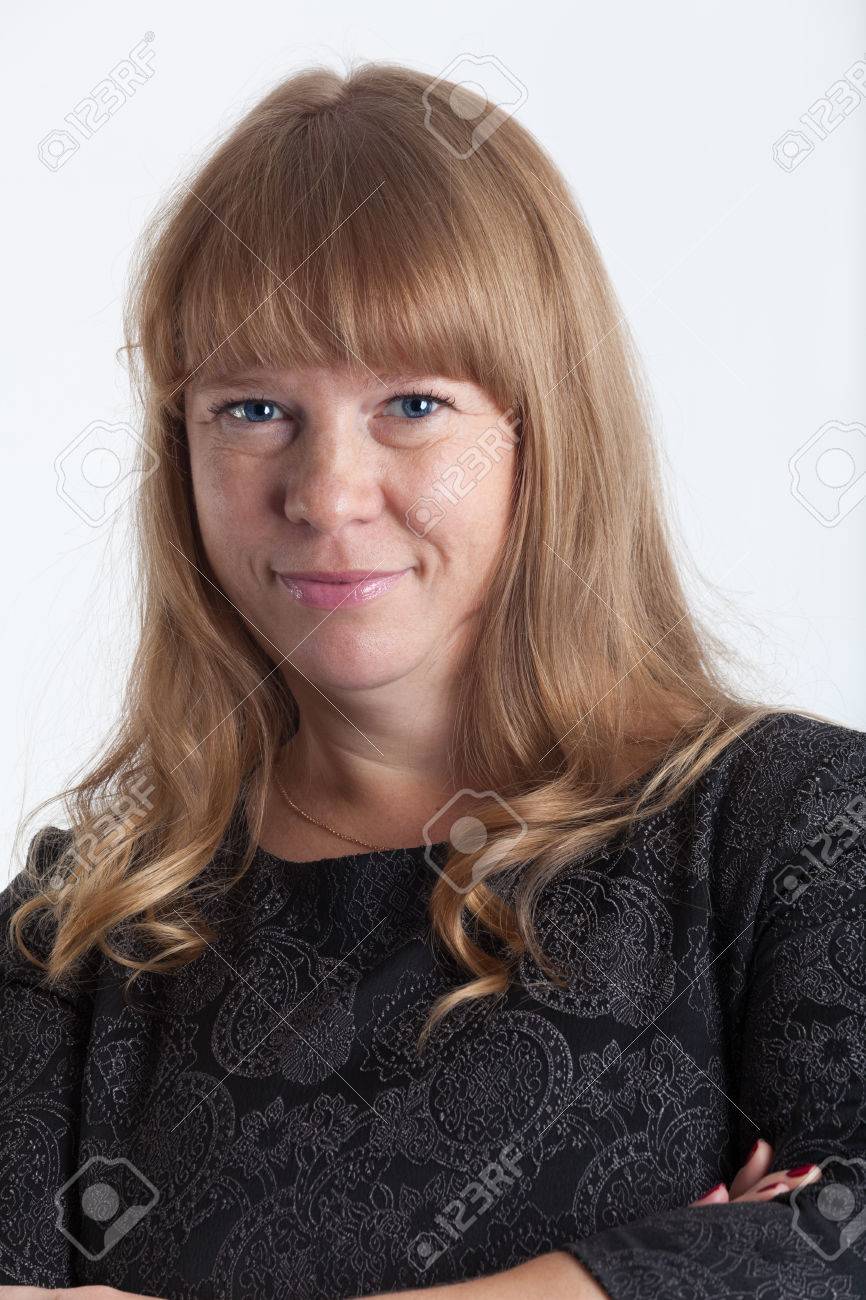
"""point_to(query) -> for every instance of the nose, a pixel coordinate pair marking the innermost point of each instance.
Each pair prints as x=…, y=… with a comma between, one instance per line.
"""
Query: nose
x=333, y=476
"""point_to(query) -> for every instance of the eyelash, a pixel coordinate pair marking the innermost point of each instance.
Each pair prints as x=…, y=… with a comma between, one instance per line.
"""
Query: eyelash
x=219, y=408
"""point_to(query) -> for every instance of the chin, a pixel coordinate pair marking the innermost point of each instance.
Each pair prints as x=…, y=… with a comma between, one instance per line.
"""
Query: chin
x=351, y=660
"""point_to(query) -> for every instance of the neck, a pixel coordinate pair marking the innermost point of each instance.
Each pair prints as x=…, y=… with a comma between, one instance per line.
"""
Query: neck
x=379, y=768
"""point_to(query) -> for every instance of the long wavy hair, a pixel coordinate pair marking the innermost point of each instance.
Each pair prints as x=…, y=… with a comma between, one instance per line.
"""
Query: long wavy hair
x=356, y=217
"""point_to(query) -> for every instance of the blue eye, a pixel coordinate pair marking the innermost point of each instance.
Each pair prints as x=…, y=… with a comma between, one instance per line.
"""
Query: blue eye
x=417, y=406
x=261, y=410
x=254, y=410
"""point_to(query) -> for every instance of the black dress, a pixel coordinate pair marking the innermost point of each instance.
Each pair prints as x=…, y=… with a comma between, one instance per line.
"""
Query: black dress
x=258, y=1124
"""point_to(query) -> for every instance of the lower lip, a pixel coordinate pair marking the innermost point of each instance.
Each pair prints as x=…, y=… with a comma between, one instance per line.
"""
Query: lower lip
x=330, y=595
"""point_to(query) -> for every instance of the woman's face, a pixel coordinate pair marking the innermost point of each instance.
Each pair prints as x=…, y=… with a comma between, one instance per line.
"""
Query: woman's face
x=321, y=471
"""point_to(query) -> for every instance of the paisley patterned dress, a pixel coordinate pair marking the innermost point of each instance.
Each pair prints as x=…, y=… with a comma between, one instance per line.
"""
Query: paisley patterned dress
x=260, y=1123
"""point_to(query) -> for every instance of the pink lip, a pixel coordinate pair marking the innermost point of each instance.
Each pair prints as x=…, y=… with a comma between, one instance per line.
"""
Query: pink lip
x=347, y=587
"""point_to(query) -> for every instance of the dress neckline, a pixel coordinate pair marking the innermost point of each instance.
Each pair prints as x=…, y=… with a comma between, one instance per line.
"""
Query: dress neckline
x=413, y=851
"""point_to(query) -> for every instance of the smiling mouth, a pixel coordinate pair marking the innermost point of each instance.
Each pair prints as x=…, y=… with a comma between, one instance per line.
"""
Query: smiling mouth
x=341, y=575
x=346, y=588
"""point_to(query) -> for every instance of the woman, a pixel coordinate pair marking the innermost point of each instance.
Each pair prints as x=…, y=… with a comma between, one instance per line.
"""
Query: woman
x=438, y=916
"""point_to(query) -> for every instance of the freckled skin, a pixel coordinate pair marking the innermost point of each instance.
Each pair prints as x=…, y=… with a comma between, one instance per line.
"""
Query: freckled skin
x=330, y=489
x=325, y=482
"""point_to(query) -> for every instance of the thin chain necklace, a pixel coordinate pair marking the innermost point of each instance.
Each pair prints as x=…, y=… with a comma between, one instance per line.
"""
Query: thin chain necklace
x=349, y=838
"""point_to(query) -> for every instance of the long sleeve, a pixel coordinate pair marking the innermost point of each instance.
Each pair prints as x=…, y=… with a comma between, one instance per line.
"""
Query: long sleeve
x=42, y=1041
x=801, y=1065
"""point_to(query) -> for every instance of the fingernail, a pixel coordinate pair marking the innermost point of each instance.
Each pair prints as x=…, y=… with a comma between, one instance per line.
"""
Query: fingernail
x=710, y=1192
x=800, y=1169
x=776, y=1188
x=754, y=1149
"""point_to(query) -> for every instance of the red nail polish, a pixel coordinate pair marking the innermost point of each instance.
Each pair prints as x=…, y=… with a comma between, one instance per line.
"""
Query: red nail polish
x=753, y=1150
x=712, y=1189
x=798, y=1170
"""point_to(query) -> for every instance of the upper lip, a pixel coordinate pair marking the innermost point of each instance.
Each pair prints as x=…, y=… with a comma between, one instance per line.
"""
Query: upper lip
x=341, y=575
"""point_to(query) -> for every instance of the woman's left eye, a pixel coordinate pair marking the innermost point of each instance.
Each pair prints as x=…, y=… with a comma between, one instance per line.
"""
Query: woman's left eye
x=418, y=406
x=254, y=410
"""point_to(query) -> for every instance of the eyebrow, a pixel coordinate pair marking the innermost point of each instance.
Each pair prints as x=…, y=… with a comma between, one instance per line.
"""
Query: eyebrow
x=228, y=380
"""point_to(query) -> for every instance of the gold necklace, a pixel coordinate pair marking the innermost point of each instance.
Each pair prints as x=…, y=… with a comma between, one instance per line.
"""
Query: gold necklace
x=350, y=839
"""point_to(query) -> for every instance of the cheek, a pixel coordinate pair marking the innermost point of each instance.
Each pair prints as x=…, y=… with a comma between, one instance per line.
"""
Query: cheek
x=470, y=536
x=228, y=505
x=471, y=482
x=482, y=512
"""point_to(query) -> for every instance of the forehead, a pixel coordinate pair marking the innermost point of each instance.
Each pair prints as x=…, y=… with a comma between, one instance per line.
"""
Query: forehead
x=359, y=378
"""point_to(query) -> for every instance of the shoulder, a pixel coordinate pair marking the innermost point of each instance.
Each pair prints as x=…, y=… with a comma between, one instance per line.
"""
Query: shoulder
x=45, y=858
x=783, y=810
x=782, y=775
x=769, y=761
x=761, y=804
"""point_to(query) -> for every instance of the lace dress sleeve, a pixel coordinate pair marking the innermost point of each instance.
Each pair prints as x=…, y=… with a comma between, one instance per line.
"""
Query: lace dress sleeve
x=42, y=1045
x=801, y=1062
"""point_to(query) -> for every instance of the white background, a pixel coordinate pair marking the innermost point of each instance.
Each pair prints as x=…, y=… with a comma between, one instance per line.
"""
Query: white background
x=742, y=280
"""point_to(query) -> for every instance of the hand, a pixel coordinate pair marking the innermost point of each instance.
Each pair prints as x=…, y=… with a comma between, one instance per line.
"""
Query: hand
x=81, y=1292
x=752, y=1182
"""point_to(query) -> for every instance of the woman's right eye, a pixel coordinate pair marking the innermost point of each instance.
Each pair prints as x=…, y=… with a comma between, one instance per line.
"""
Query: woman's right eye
x=249, y=410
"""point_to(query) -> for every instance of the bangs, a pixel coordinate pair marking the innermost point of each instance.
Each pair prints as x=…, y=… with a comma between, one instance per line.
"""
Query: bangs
x=329, y=252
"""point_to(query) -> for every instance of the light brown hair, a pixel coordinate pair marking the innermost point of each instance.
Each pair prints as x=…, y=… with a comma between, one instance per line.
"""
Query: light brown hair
x=333, y=225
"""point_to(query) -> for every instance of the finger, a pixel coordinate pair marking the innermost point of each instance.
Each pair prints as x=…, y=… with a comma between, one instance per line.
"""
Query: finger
x=757, y=1164
x=765, y=1193
x=717, y=1195
x=781, y=1180
x=774, y=1189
